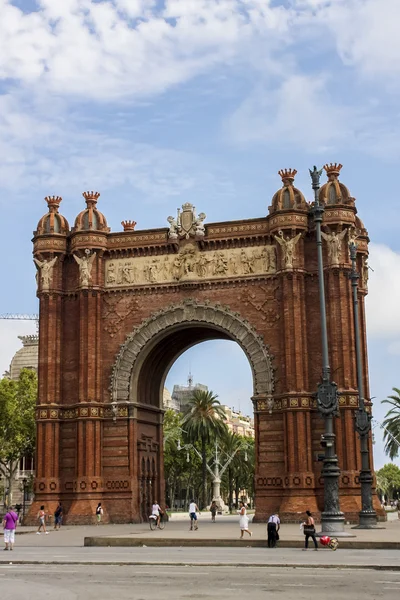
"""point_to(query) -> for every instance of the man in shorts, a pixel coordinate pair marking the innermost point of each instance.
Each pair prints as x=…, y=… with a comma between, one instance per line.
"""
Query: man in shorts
x=193, y=509
x=9, y=525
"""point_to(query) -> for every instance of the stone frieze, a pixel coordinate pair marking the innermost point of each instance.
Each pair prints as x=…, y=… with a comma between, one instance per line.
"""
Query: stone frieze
x=190, y=264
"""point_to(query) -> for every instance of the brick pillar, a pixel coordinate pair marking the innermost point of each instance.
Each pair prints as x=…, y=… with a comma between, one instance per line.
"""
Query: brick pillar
x=299, y=484
x=48, y=413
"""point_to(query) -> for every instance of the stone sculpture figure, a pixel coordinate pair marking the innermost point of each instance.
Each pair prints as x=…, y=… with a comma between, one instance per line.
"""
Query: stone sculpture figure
x=270, y=259
x=365, y=272
x=46, y=272
x=288, y=248
x=176, y=268
x=127, y=273
x=199, y=229
x=352, y=236
x=173, y=232
x=247, y=263
x=334, y=241
x=85, y=267
x=221, y=264
x=111, y=276
x=151, y=271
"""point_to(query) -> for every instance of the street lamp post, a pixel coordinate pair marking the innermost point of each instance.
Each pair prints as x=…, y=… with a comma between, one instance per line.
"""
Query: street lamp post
x=332, y=519
x=23, y=499
x=367, y=515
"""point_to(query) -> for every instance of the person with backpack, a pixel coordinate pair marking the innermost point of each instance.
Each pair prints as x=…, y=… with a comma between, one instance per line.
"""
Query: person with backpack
x=99, y=513
x=9, y=525
x=42, y=521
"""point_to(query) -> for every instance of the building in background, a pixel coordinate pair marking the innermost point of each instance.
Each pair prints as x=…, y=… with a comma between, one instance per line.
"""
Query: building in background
x=27, y=357
x=239, y=423
x=181, y=394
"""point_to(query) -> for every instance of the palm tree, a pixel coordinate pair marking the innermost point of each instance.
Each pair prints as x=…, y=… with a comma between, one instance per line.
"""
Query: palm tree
x=204, y=420
x=392, y=425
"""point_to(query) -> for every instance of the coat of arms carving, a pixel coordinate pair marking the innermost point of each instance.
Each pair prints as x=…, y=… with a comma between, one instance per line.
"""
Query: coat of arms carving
x=186, y=224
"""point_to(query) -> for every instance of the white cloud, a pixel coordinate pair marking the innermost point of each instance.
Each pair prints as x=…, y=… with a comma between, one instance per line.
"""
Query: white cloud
x=294, y=113
x=365, y=32
x=53, y=151
x=108, y=50
x=382, y=304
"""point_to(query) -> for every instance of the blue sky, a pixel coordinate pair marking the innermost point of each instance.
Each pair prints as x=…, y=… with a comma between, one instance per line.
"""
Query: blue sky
x=156, y=103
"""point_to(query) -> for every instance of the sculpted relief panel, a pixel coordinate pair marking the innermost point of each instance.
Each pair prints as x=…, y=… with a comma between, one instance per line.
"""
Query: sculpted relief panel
x=190, y=264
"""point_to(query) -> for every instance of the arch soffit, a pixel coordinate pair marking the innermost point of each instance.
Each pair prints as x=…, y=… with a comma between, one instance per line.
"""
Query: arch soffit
x=191, y=312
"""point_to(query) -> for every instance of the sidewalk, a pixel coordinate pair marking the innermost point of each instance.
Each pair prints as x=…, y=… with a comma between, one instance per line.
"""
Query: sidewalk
x=225, y=532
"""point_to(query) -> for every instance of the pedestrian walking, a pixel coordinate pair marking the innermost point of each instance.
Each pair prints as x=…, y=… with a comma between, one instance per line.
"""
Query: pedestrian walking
x=273, y=527
x=244, y=521
x=99, y=513
x=193, y=510
x=42, y=521
x=309, y=530
x=213, y=510
x=58, y=514
x=10, y=521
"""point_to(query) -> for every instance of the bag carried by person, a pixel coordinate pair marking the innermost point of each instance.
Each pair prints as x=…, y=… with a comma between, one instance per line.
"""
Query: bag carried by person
x=309, y=529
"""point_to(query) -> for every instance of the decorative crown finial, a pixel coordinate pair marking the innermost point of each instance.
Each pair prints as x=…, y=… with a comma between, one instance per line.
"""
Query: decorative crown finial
x=287, y=175
x=333, y=170
x=128, y=225
x=91, y=197
x=53, y=202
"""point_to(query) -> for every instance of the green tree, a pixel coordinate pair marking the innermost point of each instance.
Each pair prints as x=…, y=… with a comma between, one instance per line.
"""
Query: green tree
x=390, y=475
x=17, y=421
x=392, y=425
x=204, y=420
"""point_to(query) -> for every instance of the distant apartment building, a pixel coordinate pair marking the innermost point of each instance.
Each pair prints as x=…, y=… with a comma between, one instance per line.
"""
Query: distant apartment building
x=239, y=423
x=181, y=394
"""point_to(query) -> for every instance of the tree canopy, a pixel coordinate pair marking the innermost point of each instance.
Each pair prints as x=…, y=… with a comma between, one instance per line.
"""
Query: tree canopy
x=388, y=479
x=17, y=420
x=392, y=425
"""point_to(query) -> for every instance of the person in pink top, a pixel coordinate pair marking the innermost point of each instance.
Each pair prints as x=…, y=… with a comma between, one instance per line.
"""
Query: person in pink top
x=9, y=525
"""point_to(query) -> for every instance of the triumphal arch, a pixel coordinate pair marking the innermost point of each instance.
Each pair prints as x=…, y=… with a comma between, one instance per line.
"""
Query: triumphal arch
x=118, y=308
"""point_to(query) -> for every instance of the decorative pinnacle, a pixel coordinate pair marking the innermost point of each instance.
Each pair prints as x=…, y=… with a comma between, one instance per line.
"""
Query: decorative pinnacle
x=128, y=225
x=53, y=202
x=91, y=197
x=287, y=175
x=333, y=170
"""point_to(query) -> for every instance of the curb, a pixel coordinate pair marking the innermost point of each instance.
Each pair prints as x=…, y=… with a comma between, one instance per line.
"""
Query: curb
x=126, y=542
x=363, y=567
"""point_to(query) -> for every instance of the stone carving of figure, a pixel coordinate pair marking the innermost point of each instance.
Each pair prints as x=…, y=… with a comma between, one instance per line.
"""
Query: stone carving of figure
x=151, y=271
x=352, y=236
x=202, y=264
x=173, y=232
x=288, y=248
x=164, y=268
x=247, y=263
x=270, y=259
x=199, y=228
x=334, y=241
x=176, y=268
x=85, y=267
x=46, y=272
x=221, y=264
x=233, y=264
x=127, y=273
x=189, y=260
x=111, y=276
x=365, y=272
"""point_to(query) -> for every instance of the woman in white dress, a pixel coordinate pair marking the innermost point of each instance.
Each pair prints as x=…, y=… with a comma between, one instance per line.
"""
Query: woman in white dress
x=244, y=521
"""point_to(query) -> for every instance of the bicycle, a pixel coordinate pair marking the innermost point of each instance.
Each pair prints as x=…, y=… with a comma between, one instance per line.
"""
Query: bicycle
x=153, y=522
